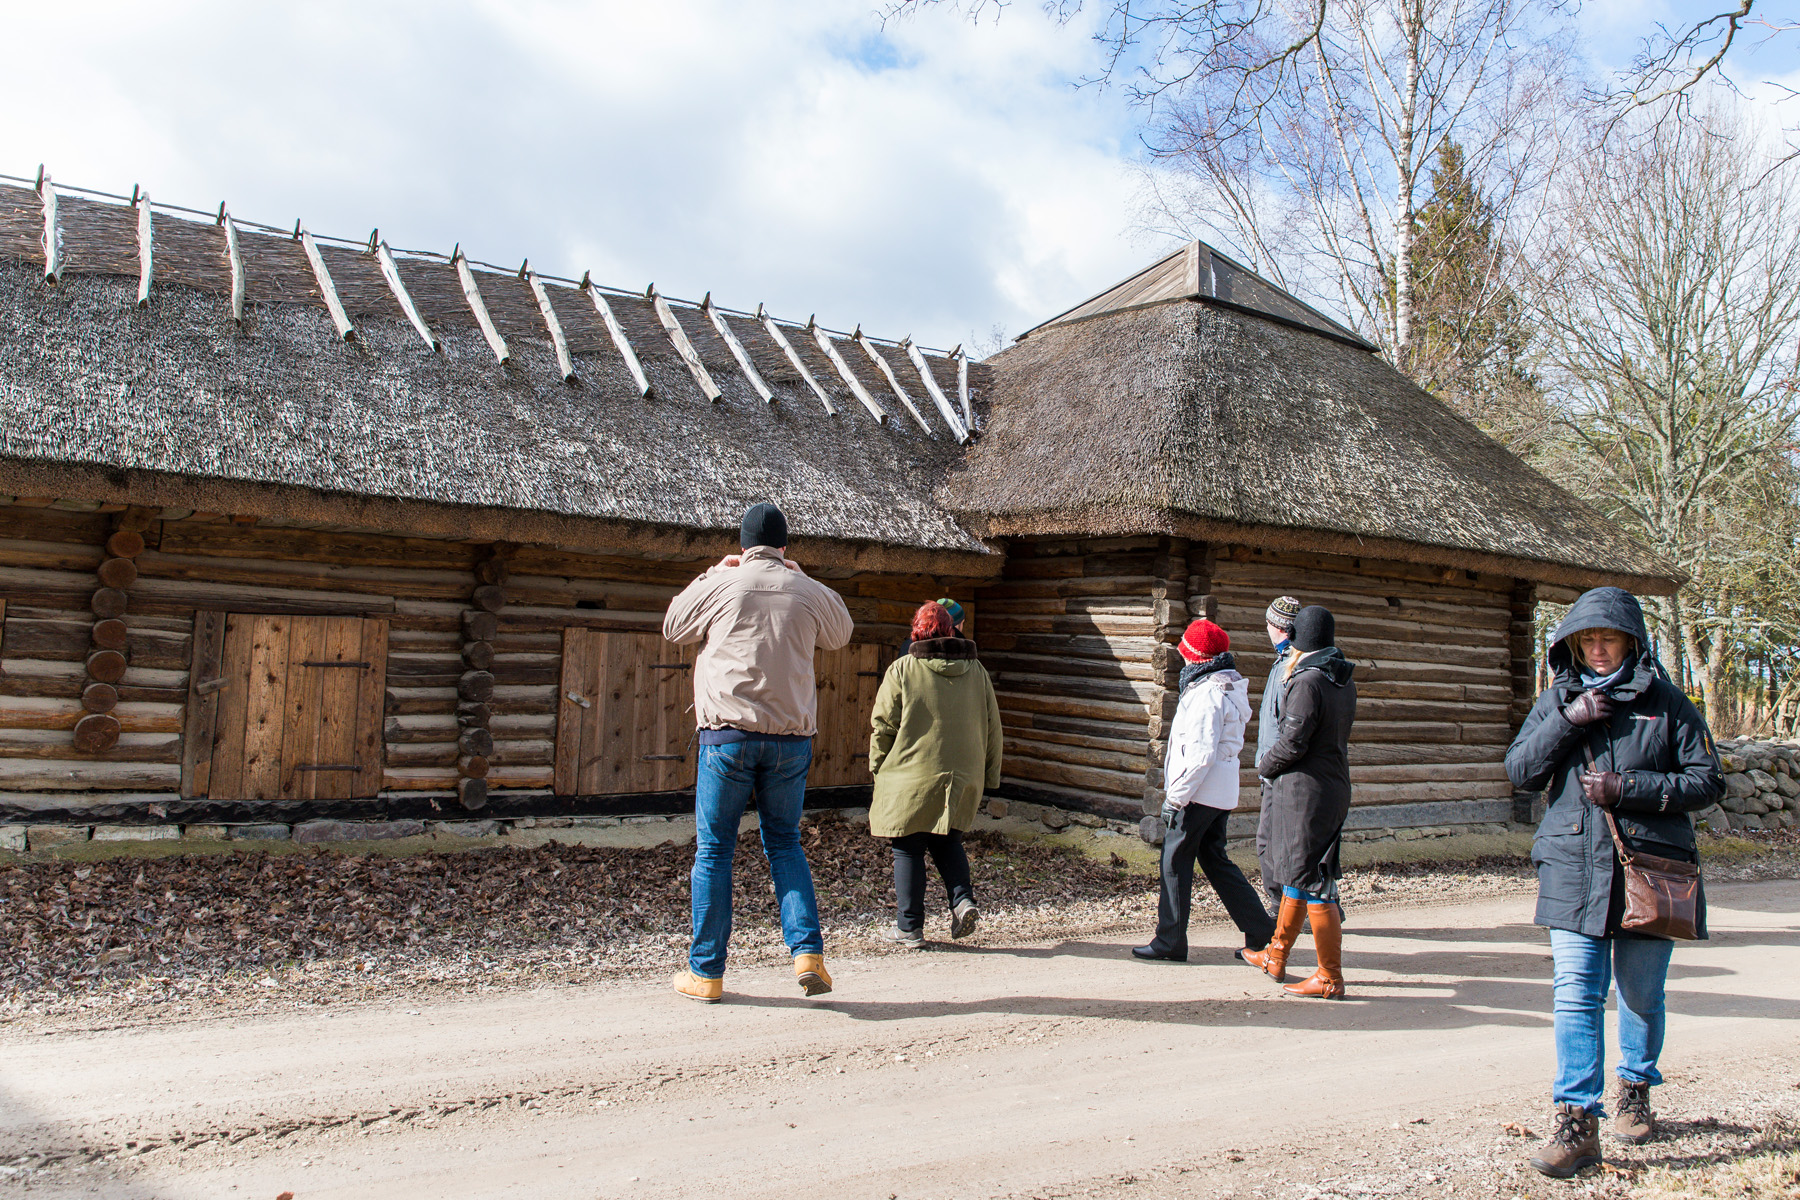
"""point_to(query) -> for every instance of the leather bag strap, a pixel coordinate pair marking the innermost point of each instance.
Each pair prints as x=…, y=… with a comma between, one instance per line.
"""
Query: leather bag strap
x=1611, y=824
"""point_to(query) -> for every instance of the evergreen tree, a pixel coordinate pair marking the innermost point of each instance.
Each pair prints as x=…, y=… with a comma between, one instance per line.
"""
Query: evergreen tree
x=1472, y=337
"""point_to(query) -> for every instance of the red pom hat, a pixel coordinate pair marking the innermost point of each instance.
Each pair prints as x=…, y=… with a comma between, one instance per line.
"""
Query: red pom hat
x=1204, y=640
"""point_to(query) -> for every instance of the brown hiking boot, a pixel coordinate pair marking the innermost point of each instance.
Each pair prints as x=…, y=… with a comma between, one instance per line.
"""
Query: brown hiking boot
x=1574, y=1145
x=1271, y=960
x=1634, y=1122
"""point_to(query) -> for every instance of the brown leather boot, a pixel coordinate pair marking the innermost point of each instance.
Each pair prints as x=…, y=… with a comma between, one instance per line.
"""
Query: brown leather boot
x=1326, y=983
x=1574, y=1144
x=1271, y=960
x=1634, y=1122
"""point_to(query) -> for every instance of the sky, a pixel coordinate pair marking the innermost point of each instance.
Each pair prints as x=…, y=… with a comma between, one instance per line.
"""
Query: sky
x=931, y=177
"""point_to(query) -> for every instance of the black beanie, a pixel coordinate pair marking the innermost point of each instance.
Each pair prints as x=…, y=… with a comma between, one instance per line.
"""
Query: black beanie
x=764, y=525
x=1314, y=629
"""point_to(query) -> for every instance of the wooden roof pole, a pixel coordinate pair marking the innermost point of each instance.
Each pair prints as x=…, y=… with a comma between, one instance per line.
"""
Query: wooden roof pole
x=737, y=349
x=564, y=362
x=235, y=259
x=327, y=289
x=478, y=306
x=793, y=356
x=390, y=271
x=146, y=239
x=937, y=393
x=844, y=371
x=881, y=364
x=53, y=242
x=962, y=385
x=620, y=342
x=679, y=339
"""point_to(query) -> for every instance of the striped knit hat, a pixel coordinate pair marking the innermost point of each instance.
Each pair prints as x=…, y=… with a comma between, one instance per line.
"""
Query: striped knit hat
x=1203, y=640
x=1281, y=614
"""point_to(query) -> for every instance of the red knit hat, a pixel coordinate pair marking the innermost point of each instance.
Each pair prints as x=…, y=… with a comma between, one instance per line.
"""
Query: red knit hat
x=1204, y=640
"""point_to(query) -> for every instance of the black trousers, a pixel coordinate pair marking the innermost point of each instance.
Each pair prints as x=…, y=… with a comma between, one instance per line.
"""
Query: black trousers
x=946, y=850
x=1196, y=833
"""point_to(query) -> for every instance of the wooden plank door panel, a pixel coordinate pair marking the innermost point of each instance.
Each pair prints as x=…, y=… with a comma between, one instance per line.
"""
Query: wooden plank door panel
x=847, y=680
x=624, y=718
x=264, y=717
x=288, y=723
x=226, y=779
x=301, y=709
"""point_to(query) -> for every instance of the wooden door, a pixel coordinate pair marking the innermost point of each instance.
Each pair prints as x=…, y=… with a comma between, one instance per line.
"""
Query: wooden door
x=625, y=714
x=290, y=707
x=847, y=680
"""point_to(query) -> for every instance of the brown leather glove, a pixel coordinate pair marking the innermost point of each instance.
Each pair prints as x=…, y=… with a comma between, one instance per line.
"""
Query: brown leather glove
x=1605, y=788
x=1588, y=708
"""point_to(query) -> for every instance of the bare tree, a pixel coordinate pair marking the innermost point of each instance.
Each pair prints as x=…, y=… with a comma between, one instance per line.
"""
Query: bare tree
x=1672, y=63
x=1302, y=132
x=1671, y=295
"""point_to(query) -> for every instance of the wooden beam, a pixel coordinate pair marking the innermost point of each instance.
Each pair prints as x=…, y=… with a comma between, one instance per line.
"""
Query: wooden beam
x=937, y=393
x=390, y=271
x=793, y=356
x=679, y=339
x=844, y=371
x=235, y=260
x=478, y=306
x=737, y=349
x=881, y=364
x=621, y=343
x=53, y=264
x=146, y=235
x=327, y=289
x=962, y=386
x=563, y=362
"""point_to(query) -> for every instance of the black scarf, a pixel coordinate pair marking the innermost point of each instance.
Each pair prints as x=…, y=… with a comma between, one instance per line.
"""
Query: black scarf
x=1193, y=672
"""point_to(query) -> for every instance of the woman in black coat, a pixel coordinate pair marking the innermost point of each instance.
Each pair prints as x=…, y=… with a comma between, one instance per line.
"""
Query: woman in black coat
x=1305, y=803
x=1610, y=733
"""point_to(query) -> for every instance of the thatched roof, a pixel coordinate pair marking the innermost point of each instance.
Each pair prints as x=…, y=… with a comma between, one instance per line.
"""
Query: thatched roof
x=1194, y=398
x=1199, y=272
x=178, y=396
x=1197, y=418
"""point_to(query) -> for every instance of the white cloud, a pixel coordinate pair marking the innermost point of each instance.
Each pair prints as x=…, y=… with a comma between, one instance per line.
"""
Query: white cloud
x=932, y=178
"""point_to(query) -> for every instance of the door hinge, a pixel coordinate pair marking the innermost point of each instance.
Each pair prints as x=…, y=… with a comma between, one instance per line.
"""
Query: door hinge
x=360, y=666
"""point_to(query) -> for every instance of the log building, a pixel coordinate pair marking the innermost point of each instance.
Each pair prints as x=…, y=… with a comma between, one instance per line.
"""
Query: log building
x=297, y=527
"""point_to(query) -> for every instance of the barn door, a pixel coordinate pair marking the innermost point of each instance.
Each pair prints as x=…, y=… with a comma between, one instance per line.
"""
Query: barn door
x=847, y=680
x=625, y=719
x=290, y=707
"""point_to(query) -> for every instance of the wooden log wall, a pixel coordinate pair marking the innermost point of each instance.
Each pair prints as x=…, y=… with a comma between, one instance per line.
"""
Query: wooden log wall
x=1073, y=634
x=474, y=640
x=1434, y=666
x=1081, y=636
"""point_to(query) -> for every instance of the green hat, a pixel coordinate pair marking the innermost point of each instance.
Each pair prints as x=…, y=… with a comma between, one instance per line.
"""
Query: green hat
x=953, y=608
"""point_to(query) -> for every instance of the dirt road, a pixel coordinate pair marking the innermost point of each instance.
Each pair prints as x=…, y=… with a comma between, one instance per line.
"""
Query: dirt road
x=1063, y=1069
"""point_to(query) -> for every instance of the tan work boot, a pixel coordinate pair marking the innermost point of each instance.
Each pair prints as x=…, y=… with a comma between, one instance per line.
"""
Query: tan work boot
x=1634, y=1122
x=1271, y=960
x=707, y=991
x=1326, y=983
x=809, y=969
x=1574, y=1144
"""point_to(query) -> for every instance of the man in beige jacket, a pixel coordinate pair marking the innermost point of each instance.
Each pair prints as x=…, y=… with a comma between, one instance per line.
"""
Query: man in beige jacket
x=755, y=701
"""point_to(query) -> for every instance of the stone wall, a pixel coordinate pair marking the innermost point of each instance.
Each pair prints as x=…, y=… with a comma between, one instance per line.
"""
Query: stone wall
x=1762, y=787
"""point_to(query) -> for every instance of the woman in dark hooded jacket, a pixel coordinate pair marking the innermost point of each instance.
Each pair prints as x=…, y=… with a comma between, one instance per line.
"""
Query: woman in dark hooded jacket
x=1306, y=801
x=1611, y=732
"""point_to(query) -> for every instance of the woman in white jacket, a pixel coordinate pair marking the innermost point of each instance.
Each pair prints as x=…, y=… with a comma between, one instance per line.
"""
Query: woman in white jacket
x=1200, y=773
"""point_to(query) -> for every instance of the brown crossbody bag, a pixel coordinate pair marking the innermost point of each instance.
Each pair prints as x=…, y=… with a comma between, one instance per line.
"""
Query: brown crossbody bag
x=1662, y=895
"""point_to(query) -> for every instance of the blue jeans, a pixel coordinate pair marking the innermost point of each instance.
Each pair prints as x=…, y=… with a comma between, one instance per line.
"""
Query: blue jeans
x=1585, y=967
x=775, y=773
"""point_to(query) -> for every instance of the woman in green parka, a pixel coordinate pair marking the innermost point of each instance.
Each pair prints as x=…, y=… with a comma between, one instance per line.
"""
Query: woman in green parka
x=935, y=747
